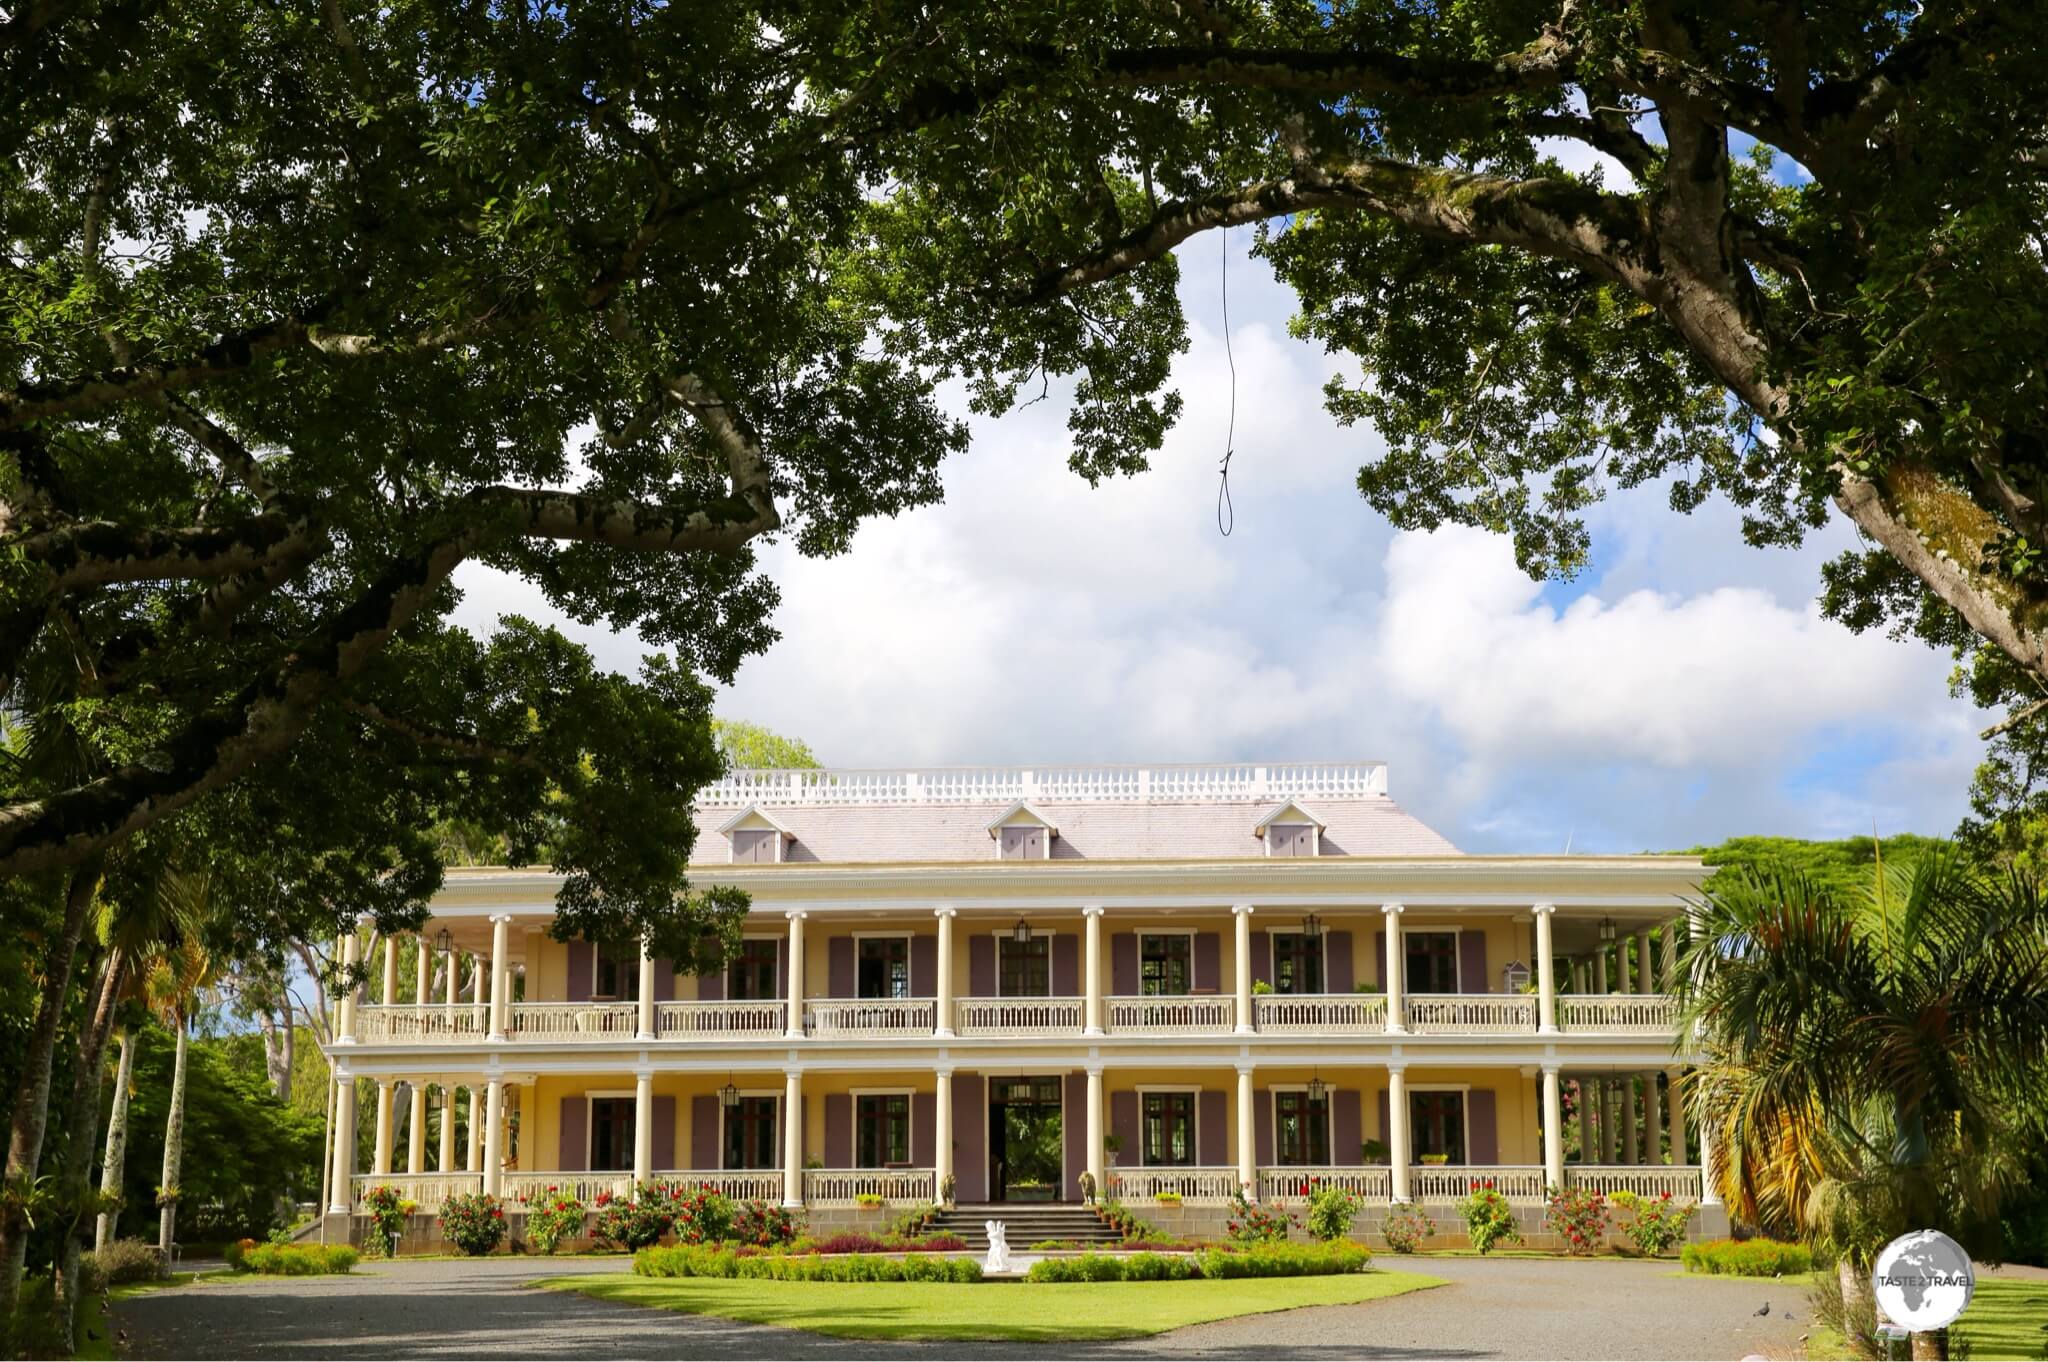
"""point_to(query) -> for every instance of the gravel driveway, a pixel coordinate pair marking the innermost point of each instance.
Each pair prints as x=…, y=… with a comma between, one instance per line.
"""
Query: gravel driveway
x=1493, y=1308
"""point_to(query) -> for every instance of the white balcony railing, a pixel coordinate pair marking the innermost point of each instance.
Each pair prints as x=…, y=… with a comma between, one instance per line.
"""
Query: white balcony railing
x=427, y=1190
x=1439, y=1182
x=870, y=1017
x=1174, y=1015
x=1018, y=1016
x=1634, y=1014
x=845, y=1186
x=1312, y=1014
x=572, y=1021
x=734, y=1020
x=1651, y=1180
x=1372, y=1185
x=743, y=1184
x=1230, y=783
x=1194, y=1186
x=405, y=1024
x=1470, y=1014
x=515, y=1188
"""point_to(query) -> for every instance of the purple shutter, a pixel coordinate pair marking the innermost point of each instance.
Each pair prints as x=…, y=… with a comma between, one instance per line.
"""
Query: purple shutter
x=1212, y=1125
x=924, y=967
x=704, y=1133
x=575, y=1134
x=1262, y=957
x=839, y=974
x=838, y=1130
x=782, y=968
x=1472, y=961
x=1074, y=1133
x=970, y=1142
x=1337, y=962
x=981, y=966
x=1123, y=1123
x=1066, y=965
x=1262, y=1125
x=755, y=846
x=664, y=980
x=1346, y=1144
x=582, y=969
x=1484, y=1149
x=1208, y=962
x=664, y=1153
x=924, y=1129
x=1023, y=844
x=1123, y=964
x=1379, y=957
x=1386, y=1123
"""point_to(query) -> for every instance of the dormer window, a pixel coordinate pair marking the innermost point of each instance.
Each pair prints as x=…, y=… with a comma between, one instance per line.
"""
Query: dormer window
x=1290, y=831
x=1022, y=833
x=753, y=838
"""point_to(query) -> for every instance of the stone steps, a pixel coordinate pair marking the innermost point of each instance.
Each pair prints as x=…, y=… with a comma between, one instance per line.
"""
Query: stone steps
x=1026, y=1224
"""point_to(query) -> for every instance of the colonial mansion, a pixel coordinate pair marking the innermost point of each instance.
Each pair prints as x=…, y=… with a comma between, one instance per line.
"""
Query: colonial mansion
x=981, y=984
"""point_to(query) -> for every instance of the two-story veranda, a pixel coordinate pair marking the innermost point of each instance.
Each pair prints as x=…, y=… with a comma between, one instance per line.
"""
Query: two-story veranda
x=1174, y=978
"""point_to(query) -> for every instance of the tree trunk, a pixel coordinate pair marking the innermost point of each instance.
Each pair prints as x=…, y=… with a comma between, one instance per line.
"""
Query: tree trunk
x=116, y=1165
x=32, y=1103
x=1931, y=1346
x=174, y=1141
x=74, y=1184
x=1859, y=1306
x=277, y=1055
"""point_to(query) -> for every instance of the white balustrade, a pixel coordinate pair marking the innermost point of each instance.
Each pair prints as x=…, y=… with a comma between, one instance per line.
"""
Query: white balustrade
x=406, y=1024
x=523, y=1188
x=1650, y=1180
x=745, y=1184
x=1017, y=1016
x=723, y=1020
x=845, y=1186
x=870, y=1017
x=1520, y=1184
x=1210, y=783
x=1368, y=1183
x=1470, y=1014
x=1635, y=1014
x=1315, y=1014
x=427, y=1190
x=1173, y=1015
x=1194, y=1186
x=573, y=1021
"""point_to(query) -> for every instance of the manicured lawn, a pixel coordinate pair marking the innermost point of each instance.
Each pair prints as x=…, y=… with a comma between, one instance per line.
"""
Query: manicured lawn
x=1017, y=1311
x=2007, y=1319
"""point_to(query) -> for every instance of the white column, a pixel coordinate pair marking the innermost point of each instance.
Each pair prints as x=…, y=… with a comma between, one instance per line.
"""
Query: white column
x=1600, y=969
x=942, y=1127
x=447, y=1164
x=1247, y=1134
x=416, y=1127
x=478, y=992
x=1546, y=972
x=1646, y=981
x=795, y=1027
x=389, y=995
x=350, y=944
x=1243, y=914
x=1630, y=1152
x=1584, y=1109
x=453, y=961
x=646, y=993
x=944, y=1021
x=1653, y=1119
x=1095, y=1128
x=501, y=960
x=382, y=1152
x=494, y=1132
x=643, y=1128
x=340, y=1195
x=1710, y=1194
x=1676, y=1105
x=1553, y=1129
x=1092, y=964
x=473, y=1139
x=1397, y=1014
x=793, y=1132
x=1397, y=1118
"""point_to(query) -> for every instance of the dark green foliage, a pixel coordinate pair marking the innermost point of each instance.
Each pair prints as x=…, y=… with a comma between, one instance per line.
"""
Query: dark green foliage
x=1841, y=867
x=473, y=1222
x=128, y=1260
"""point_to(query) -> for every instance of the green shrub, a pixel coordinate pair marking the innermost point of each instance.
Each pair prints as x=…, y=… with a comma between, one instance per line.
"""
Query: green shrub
x=912, y=1222
x=703, y=1260
x=127, y=1260
x=1653, y=1224
x=1286, y=1260
x=298, y=1260
x=387, y=1211
x=1406, y=1227
x=1489, y=1219
x=1251, y=1223
x=1099, y=1267
x=766, y=1225
x=1331, y=1210
x=1746, y=1258
x=473, y=1222
x=552, y=1217
x=1579, y=1216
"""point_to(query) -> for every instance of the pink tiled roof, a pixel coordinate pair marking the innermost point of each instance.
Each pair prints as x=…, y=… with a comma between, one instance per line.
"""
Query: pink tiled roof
x=1101, y=830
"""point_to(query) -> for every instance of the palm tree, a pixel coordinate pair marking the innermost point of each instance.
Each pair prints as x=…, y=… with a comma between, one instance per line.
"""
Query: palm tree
x=175, y=980
x=1876, y=1064
x=114, y=1166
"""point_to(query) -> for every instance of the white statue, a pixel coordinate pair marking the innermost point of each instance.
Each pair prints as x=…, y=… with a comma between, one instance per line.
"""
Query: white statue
x=998, y=1247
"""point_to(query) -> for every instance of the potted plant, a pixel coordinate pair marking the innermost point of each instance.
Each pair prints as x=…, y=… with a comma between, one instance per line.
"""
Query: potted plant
x=1436, y=1160
x=1374, y=1152
x=868, y=1201
x=1166, y=1196
x=1112, y=1145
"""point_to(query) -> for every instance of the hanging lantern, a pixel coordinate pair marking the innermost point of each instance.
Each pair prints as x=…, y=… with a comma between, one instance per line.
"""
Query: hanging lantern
x=444, y=941
x=1607, y=929
x=1514, y=977
x=728, y=1096
x=1311, y=926
x=1021, y=933
x=1317, y=1089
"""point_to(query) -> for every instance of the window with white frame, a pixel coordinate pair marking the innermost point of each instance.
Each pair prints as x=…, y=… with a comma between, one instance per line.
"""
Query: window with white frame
x=881, y=1129
x=1166, y=966
x=1168, y=1128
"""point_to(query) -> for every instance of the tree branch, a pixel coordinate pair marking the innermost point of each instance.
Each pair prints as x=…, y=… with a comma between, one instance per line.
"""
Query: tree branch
x=459, y=744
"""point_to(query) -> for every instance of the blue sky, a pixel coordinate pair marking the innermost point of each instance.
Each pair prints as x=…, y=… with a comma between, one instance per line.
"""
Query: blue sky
x=1683, y=690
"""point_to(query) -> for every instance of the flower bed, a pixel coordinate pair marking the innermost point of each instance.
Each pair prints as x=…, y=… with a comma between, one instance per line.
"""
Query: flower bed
x=698, y=1260
x=1746, y=1258
x=1286, y=1260
x=853, y=1241
x=292, y=1260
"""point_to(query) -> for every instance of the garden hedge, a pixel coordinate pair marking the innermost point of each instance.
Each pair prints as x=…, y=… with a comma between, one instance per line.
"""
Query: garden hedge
x=1098, y=1267
x=697, y=1260
x=1746, y=1258
x=292, y=1260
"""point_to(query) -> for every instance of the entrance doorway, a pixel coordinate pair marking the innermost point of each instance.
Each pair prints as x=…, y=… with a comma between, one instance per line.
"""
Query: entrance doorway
x=1024, y=1148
